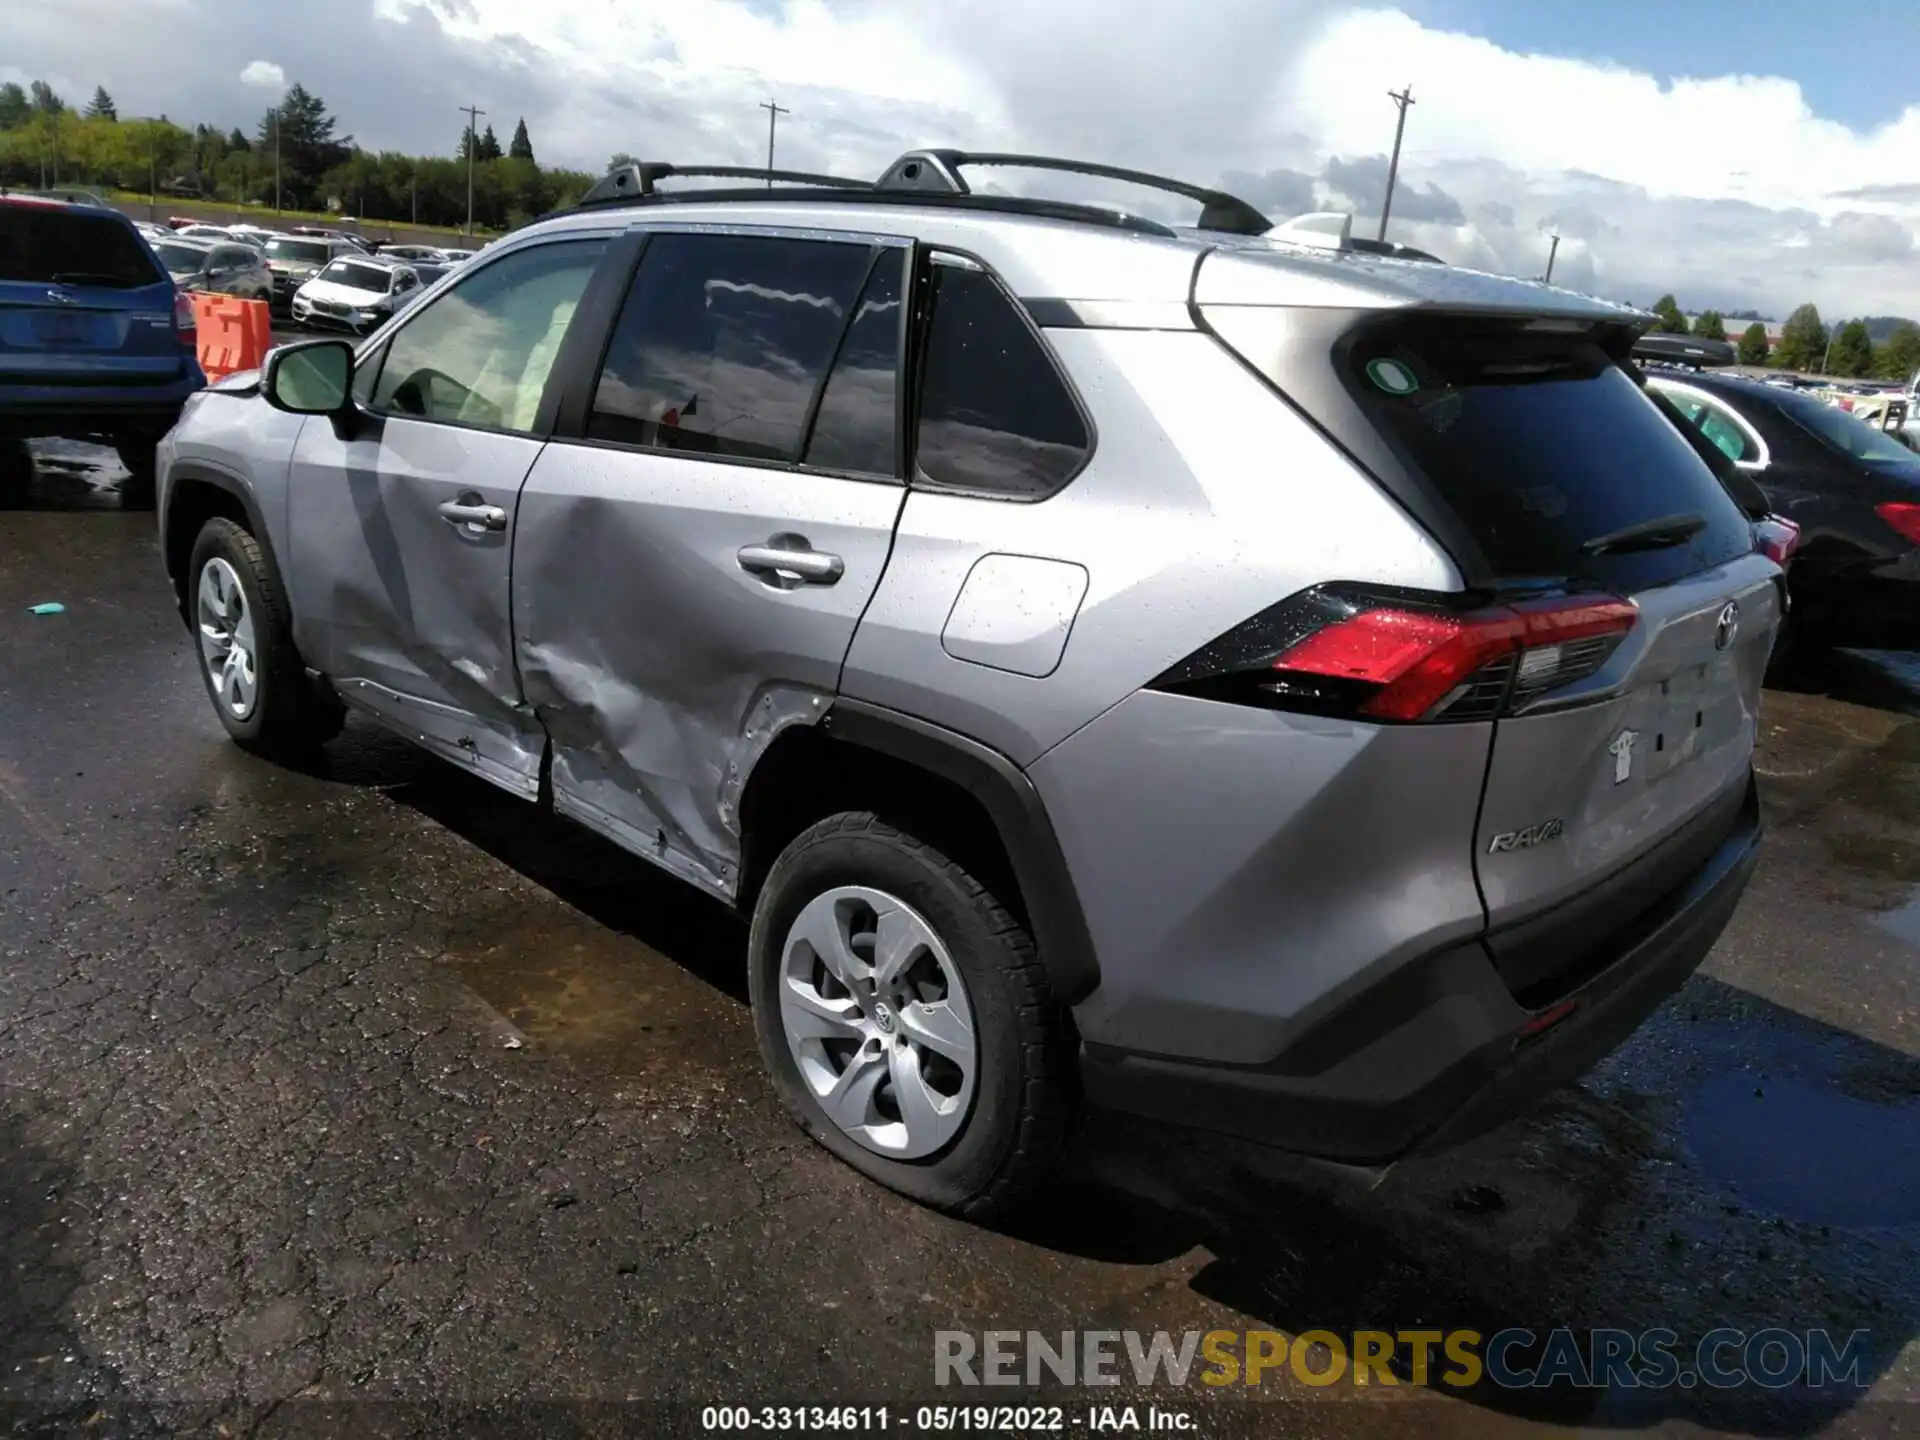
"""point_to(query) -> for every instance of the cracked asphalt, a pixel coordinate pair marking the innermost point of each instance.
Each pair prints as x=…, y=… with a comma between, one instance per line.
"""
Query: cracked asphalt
x=369, y=1101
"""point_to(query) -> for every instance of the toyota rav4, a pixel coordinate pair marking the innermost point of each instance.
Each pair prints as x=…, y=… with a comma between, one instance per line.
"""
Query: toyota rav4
x=1218, y=672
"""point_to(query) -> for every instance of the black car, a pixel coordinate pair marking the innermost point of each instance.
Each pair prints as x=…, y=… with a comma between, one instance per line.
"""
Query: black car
x=1853, y=489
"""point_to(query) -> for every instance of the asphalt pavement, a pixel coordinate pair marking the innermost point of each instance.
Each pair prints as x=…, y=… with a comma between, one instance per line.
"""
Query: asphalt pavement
x=366, y=1100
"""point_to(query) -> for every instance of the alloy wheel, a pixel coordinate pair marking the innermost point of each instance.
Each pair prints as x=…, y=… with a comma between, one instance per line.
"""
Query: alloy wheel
x=878, y=1021
x=226, y=639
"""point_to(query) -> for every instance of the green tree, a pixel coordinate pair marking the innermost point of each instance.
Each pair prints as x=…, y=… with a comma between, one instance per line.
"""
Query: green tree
x=1672, y=322
x=520, y=147
x=308, y=146
x=489, y=145
x=1899, y=357
x=1753, y=344
x=1709, y=326
x=15, y=107
x=620, y=157
x=45, y=102
x=237, y=140
x=1803, y=340
x=101, y=106
x=1852, y=349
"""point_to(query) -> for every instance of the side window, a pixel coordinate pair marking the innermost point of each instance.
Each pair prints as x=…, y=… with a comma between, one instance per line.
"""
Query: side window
x=995, y=416
x=1723, y=430
x=480, y=354
x=855, y=426
x=723, y=341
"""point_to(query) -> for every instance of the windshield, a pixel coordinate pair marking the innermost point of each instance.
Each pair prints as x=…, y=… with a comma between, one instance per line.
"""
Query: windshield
x=180, y=259
x=302, y=252
x=68, y=247
x=357, y=276
x=1841, y=431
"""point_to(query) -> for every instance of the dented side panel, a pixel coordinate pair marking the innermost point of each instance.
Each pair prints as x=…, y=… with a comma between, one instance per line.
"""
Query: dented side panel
x=661, y=666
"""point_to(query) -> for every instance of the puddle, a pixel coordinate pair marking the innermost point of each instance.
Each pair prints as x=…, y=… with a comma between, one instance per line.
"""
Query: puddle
x=1903, y=921
x=1808, y=1152
x=67, y=475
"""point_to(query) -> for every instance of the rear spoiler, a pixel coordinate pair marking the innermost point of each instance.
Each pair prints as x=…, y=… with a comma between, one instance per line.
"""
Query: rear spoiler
x=1685, y=350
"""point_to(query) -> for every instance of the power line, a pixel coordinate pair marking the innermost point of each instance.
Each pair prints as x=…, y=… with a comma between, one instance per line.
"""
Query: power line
x=1403, y=99
x=473, y=114
x=774, y=112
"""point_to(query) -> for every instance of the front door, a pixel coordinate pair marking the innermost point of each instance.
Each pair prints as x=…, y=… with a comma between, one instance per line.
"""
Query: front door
x=402, y=520
x=693, y=559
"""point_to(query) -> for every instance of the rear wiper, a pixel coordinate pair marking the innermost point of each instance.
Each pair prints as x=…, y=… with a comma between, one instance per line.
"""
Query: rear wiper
x=1655, y=534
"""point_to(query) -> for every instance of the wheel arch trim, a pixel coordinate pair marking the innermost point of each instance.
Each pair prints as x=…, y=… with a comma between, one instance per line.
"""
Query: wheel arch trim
x=1019, y=817
x=213, y=476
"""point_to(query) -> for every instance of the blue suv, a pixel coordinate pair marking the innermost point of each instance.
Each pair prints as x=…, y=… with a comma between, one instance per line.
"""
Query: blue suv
x=95, y=340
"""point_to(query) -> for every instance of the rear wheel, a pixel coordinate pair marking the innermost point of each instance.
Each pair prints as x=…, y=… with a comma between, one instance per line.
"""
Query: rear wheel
x=253, y=674
x=137, y=455
x=906, y=1020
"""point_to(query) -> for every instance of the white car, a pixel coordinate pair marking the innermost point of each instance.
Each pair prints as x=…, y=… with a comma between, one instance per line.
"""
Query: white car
x=203, y=232
x=357, y=294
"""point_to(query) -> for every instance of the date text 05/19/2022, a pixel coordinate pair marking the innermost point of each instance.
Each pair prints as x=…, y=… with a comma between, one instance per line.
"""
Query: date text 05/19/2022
x=977, y=1419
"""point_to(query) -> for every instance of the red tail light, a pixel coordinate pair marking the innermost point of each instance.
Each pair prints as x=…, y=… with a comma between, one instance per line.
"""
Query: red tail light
x=1776, y=539
x=1903, y=517
x=183, y=321
x=1339, y=650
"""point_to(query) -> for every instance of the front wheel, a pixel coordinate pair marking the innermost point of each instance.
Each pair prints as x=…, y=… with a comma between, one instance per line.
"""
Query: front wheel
x=907, y=1022
x=252, y=672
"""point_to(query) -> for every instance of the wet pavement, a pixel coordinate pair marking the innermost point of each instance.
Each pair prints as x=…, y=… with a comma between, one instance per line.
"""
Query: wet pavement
x=367, y=1100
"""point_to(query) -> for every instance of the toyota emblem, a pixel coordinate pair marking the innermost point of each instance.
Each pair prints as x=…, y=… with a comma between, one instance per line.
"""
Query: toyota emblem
x=1727, y=627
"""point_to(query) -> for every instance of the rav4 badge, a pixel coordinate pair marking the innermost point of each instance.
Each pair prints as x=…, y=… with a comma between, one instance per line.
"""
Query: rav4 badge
x=1528, y=838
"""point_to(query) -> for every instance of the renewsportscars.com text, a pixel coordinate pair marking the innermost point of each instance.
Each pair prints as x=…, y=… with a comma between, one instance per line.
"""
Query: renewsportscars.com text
x=1456, y=1359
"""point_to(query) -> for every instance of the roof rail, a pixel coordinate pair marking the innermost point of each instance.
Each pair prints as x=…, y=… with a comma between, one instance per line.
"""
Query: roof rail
x=938, y=172
x=631, y=182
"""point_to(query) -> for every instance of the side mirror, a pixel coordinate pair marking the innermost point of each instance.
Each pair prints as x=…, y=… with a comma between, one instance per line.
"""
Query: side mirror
x=314, y=377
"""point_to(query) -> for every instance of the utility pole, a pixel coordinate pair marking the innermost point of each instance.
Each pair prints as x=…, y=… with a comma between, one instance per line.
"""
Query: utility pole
x=774, y=112
x=1403, y=99
x=413, y=193
x=473, y=114
x=276, y=155
x=1548, y=277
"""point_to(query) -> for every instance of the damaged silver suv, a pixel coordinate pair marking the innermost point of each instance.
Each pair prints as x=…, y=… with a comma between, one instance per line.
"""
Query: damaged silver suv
x=1221, y=671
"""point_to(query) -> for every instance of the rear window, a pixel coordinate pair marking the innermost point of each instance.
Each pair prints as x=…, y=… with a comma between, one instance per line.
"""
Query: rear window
x=303, y=252
x=1840, y=430
x=180, y=259
x=44, y=246
x=1541, y=444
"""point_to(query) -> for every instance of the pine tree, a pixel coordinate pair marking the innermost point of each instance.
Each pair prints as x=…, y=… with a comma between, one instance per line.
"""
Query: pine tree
x=101, y=106
x=520, y=147
x=489, y=145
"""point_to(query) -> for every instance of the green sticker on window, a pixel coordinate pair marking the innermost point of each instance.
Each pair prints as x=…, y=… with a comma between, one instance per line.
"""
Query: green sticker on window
x=1392, y=377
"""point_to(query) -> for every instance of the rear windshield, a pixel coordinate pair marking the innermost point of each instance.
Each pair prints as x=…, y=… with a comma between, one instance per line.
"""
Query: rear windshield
x=72, y=247
x=1542, y=445
x=305, y=252
x=1839, y=430
x=180, y=259
x=358, y=277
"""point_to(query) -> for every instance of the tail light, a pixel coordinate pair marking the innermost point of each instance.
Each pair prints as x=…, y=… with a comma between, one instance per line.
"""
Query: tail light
x=1341, y=650
x=1903, y=517
x=183, y=322
x=1776, y=539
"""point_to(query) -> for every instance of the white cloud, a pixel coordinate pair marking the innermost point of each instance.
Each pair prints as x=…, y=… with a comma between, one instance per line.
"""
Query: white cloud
x=264, y=73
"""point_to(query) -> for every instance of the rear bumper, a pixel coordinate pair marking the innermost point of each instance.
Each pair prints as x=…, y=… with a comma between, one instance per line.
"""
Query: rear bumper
x=1434, y=1054
x=85, y=409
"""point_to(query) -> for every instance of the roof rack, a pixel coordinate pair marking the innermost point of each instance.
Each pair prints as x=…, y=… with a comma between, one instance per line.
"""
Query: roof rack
x=636, y=181
x=938, y=172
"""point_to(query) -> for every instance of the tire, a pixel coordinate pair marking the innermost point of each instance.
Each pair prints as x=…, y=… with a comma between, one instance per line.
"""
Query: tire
x=286, y=715
x=136, y=454
x=1011, y=1121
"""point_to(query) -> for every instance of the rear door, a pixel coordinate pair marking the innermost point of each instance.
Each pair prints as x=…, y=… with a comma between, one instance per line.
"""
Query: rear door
x=83, y=301
x=697, y=544
x=1622, y=760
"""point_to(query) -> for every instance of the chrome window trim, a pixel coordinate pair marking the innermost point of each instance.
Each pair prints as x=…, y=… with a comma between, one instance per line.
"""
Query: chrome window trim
x=1717, y=402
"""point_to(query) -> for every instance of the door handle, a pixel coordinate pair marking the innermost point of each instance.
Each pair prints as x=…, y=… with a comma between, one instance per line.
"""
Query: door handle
x=811, y=567
x=469, y=511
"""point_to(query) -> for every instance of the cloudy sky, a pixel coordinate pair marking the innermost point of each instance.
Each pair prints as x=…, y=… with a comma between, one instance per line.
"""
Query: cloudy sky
x=1740, y=154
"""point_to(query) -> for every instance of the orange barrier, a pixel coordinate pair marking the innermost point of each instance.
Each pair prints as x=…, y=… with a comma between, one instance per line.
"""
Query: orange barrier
x=231, y=334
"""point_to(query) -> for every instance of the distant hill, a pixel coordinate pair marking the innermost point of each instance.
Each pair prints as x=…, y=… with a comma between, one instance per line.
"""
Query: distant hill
x=1880, y=327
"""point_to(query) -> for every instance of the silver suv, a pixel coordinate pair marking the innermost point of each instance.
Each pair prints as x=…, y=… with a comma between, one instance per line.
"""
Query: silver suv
x=1218, y=672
